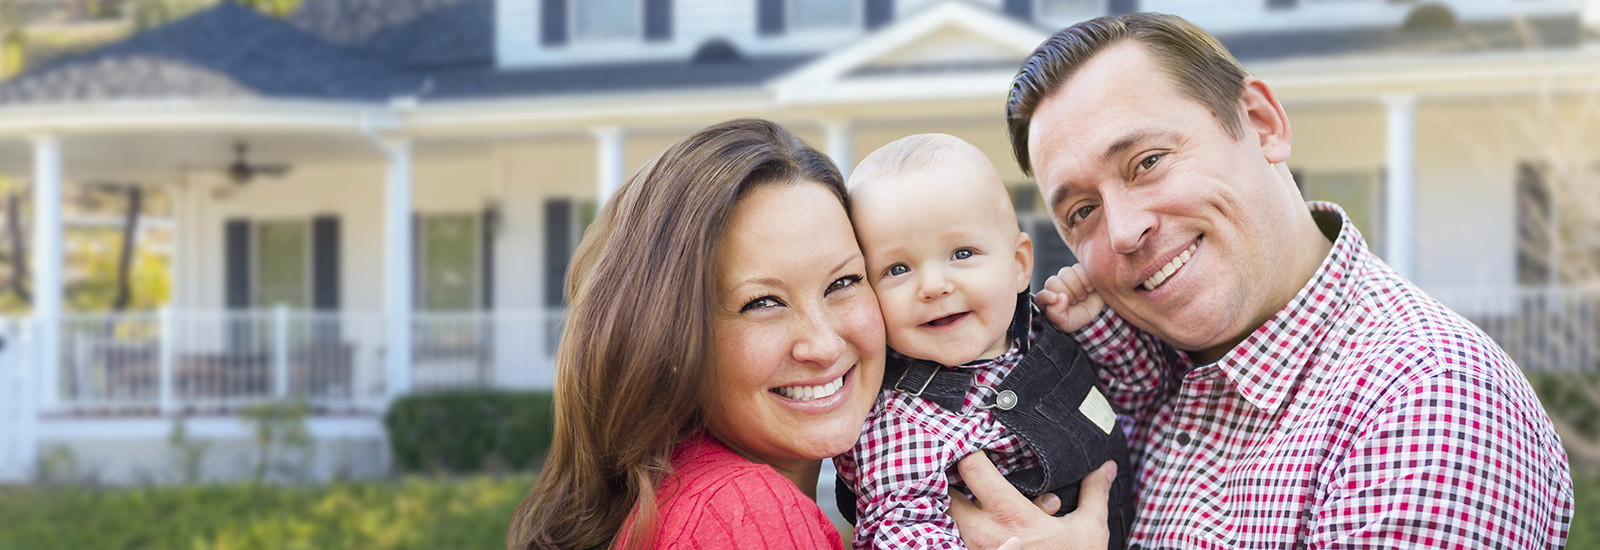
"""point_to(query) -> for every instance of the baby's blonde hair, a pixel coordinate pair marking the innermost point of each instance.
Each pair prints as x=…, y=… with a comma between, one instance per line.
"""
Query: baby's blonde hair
x=920, y=152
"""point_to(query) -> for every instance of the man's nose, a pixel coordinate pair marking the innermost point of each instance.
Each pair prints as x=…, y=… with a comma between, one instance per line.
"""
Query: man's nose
x=1128, y=222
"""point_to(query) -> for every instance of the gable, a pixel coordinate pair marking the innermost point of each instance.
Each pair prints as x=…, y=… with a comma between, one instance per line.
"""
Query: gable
x=951, y=48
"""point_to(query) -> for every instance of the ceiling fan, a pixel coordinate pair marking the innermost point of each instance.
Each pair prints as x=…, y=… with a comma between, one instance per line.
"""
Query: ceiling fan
x=241, y=171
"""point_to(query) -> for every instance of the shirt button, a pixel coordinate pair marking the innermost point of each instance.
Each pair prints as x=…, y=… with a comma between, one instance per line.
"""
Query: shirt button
x=1183, y=438
x=1135, y=546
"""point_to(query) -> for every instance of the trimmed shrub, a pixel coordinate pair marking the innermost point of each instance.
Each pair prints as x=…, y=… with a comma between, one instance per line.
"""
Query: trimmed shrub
x=468, y=431
x=414, y=513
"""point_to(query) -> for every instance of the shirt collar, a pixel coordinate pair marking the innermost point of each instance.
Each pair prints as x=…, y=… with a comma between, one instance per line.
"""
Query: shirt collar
x=1266, y=365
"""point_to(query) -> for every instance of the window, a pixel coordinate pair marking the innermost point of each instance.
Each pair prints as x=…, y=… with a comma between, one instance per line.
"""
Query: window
x=1050, y=253
x=283, y=264
x=1053, y=10
x=606, y=19
x=1357, y=192
x=823, y=14
x=451, y=262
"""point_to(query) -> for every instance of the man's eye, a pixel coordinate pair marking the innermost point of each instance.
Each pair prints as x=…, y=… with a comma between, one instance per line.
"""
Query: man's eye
x=1081, y=214
x=763, y=302
x=962, y=254
x=896, y=269
x=1149, y=162
x=844, y=282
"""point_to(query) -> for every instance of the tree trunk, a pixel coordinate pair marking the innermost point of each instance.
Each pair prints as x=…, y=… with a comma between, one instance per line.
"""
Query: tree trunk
x=130, y=238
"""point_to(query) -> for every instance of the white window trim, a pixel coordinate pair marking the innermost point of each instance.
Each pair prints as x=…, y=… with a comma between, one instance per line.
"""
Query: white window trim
x=255, y=261
x=577, y=37
x=856, y=23
x=422, y=259
x=1101, y=7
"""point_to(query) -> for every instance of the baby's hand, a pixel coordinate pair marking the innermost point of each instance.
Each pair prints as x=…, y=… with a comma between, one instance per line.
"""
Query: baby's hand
x=1068, y=300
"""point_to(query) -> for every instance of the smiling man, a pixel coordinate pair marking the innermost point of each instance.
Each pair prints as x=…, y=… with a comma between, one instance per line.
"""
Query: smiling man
x=1287, y=388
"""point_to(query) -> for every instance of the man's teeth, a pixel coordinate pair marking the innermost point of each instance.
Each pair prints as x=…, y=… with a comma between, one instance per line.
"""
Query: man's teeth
x=1171, y=267
x=808, y=393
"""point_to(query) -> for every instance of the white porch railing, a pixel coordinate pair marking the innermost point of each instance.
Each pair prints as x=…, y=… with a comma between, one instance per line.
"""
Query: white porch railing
x=189, y=361
x=1542, y=329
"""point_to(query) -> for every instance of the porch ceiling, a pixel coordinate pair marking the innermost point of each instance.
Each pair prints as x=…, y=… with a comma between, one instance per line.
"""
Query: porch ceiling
x=157, y=157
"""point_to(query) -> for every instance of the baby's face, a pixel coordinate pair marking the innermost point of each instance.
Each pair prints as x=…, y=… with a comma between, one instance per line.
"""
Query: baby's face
x=943, y=256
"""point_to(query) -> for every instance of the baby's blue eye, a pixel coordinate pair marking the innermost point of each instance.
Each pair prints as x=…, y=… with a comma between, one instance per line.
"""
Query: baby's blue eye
x=962, y=254
x=897, y=269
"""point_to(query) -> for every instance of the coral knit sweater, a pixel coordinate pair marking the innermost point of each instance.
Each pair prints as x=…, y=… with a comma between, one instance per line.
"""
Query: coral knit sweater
x=715, y=498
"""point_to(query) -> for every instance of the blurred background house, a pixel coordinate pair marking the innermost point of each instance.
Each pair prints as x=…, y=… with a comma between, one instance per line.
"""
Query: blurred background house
x=346, y=201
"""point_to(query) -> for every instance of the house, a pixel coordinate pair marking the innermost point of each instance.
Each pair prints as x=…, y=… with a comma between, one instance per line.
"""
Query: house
x=375, y=197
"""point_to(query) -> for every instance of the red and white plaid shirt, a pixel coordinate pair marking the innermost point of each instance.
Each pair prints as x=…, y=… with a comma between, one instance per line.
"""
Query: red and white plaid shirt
x=904, y=463
x=1363, y=415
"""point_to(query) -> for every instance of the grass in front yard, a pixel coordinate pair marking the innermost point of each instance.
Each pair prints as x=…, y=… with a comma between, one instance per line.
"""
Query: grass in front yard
x=414, y=513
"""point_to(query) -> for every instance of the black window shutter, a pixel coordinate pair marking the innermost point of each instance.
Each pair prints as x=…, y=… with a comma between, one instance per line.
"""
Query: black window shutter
x=1020, y=9
x=486, y=226
x=1122, y=7
x=1280, y=4
x=1534, y=209
x=236, y=250
x=553, y=22
x=418, y=299
x=325, y=263
x=557, y=250
x=769, y=17
x=879, y=12
x=657, y=20
x=1050, y=252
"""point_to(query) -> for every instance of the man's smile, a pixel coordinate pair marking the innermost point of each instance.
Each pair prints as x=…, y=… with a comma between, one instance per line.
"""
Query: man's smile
x=1159, y=275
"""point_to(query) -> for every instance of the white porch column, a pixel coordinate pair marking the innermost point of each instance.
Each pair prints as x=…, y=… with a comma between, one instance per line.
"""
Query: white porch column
x=397, y=263
x=841, y=144
x=1400, y=183
x=47, y=264
x=610, y=141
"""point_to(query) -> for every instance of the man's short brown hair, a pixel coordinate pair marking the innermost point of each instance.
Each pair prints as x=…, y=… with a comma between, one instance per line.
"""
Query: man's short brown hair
x=1198, y=63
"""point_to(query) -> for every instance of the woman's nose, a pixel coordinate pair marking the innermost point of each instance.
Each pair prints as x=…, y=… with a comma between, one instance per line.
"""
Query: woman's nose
x=819, y=342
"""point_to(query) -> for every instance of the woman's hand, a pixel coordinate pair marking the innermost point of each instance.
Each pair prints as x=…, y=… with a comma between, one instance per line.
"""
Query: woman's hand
x=1002, y=513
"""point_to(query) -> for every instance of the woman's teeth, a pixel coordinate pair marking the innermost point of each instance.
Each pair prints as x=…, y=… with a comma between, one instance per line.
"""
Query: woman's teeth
x=1171, y=267
x=808, y=393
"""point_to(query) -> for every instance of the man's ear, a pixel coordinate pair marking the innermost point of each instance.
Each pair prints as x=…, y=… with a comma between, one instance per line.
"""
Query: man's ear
x=1265, y=120
x=1024, y=260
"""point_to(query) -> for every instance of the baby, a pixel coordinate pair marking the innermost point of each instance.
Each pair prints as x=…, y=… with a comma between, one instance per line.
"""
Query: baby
x=974, y=366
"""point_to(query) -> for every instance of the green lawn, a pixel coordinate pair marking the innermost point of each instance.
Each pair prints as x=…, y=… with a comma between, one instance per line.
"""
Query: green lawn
x=1585, y=533
x=416, y=513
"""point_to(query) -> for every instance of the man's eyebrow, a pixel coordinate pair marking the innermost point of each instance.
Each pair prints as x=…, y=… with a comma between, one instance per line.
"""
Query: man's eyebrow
x=1118, y=147
x=1134, y=138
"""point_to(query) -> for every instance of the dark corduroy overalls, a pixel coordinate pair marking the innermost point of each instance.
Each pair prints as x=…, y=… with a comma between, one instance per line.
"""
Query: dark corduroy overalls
x=1042, y=401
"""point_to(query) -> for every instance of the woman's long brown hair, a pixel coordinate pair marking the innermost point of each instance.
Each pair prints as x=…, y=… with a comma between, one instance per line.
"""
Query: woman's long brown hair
x=631, y=363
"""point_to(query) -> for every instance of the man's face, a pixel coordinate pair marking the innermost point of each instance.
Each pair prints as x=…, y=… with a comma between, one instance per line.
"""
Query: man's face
x=1186, y=231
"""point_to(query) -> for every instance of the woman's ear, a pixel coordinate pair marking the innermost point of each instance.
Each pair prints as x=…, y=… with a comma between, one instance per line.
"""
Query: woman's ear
x=1024, y=260
x=1265, y=120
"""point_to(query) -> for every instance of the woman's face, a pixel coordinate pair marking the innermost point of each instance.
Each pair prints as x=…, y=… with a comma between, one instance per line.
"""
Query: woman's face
x=797, y=341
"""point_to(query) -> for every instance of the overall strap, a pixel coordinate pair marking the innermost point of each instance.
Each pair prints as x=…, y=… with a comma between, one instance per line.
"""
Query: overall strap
x=928, y=380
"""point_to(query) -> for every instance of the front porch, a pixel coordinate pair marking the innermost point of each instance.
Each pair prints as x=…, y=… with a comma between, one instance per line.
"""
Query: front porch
x=175, y=362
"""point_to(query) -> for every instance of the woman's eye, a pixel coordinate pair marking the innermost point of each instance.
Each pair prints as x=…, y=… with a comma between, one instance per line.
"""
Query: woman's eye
x=1149, y=162
x=962, y=254
x=763, y=302
x=896, y=269
x=844, y=282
